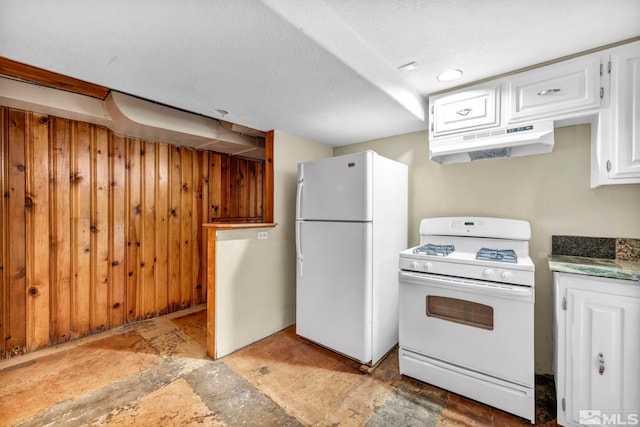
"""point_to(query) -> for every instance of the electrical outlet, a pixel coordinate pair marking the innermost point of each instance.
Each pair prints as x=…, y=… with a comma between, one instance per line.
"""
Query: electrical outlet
x=262, y=235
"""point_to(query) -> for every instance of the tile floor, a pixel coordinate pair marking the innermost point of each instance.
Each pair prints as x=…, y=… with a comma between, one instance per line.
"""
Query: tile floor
x=156, y=373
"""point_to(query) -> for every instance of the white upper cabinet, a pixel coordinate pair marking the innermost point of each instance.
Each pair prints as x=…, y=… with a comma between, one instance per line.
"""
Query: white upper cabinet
x=601, y=88
x=465, y=110
x=557, y=89
x=624, y=160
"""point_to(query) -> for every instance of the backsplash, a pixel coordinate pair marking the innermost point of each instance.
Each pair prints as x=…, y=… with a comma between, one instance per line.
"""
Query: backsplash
x=628, y=249
x=620, y=248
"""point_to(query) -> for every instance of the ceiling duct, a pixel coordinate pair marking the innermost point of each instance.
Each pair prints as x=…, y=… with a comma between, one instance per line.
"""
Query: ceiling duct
x=136, y=117
x=130, y=116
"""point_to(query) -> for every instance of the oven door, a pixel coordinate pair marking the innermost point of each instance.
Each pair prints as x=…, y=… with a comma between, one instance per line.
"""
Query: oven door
x=481, y=326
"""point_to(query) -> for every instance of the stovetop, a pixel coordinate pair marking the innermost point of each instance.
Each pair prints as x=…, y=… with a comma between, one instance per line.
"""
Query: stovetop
x=466, y=265
x=485, y=254
x=466, y=249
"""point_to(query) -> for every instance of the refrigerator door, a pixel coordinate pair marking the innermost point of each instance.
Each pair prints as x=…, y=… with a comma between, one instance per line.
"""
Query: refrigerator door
x=334, y=286
x=336, y=189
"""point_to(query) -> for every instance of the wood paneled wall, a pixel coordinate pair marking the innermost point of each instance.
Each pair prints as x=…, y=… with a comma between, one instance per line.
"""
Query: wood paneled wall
x=98, y=230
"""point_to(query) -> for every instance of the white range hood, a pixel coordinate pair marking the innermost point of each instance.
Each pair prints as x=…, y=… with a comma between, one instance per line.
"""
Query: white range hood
x=514, y=141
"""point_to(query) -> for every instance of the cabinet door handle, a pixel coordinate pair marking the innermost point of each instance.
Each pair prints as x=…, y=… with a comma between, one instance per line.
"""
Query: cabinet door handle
x=548, y=92
x=464, y=111
x=600, y=363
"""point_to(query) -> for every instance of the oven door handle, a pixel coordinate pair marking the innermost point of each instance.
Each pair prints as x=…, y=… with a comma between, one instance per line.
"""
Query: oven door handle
x=484, y=288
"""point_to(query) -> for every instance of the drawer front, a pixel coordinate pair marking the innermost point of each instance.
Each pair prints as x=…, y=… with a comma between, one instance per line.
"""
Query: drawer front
x=555, y=90
x=465, y=111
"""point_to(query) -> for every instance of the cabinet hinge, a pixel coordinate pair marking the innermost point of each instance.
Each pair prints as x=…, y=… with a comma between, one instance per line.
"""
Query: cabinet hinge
x=601, y=69
x=608, y=165
x=609, y=67
x=601, y=93
x=432, y=109
x=564, y=303
x=564, y=405
x=431, y=126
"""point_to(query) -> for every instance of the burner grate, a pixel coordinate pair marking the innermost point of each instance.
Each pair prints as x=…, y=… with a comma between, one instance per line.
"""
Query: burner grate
x=431, y=249
x=498, y=255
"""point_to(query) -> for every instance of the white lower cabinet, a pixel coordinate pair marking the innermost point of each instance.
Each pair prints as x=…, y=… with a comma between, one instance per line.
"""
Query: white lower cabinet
x=597, y=350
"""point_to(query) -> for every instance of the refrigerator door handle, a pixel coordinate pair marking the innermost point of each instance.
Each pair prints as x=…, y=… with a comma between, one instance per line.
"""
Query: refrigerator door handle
x=299, y=198
x=299, y=246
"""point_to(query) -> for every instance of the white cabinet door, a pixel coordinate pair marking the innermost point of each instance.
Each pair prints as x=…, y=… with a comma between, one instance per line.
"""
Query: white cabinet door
x=602, y=361
x=466, y=110
x=597, y=347
x=625, y=104
x=554, y=90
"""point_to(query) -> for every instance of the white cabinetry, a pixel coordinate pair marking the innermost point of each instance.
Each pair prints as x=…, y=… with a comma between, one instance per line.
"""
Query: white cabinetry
x=624, y=160
x=601, y=88
x=554, y=90
x=466, y=110
x=596, y=348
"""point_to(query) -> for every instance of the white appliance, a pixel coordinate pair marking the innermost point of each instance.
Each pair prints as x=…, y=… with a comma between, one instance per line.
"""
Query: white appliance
x=521, y=140
x=466, y=310
x=351, y=222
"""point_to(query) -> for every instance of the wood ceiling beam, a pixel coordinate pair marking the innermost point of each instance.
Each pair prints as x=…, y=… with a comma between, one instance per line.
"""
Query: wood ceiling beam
x=41, y=76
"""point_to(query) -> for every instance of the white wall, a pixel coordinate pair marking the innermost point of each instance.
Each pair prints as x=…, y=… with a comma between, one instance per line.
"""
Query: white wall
x=255, y=279
x=551, y=191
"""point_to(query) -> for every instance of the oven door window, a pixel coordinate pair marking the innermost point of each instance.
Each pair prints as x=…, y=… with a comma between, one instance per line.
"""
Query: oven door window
x=460, y=311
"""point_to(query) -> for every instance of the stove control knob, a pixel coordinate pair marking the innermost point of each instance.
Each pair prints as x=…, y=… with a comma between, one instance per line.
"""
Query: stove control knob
x=428, y=266
x=489, y=274
x=507, y=276
x=415, y=265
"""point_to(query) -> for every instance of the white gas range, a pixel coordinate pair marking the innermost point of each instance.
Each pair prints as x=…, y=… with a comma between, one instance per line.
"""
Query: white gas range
x=466, y=310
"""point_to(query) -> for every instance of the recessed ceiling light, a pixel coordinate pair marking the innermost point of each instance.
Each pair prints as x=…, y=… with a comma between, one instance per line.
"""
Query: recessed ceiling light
x=409, y=66
x=449, y=75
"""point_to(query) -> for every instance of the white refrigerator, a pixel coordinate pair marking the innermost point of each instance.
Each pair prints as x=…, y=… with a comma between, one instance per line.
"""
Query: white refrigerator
x=351, y=224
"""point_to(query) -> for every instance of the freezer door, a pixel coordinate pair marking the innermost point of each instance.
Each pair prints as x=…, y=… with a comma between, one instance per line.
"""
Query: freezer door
x=336, y=189
x=333, y=299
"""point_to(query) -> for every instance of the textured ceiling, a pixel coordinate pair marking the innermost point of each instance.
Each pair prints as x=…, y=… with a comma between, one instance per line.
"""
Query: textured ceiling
x=325, y=70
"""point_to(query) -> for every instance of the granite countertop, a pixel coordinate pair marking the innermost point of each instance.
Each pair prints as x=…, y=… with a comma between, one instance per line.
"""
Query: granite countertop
x=615, y=258
x=600, y=267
